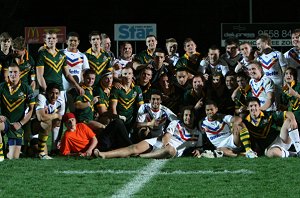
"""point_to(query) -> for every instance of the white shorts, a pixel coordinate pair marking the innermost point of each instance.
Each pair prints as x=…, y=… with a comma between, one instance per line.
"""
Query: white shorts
x=156, y=143
x=280, y=144
x=227, y=143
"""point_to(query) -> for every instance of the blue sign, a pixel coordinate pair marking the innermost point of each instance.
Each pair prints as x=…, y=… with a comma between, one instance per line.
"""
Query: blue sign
x=133, y=32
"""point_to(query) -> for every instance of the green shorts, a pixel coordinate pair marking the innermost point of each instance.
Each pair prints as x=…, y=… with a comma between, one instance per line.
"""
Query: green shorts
x=11, y=132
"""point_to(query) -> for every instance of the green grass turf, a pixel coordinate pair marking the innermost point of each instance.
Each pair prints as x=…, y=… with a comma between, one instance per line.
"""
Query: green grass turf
x=261, y=177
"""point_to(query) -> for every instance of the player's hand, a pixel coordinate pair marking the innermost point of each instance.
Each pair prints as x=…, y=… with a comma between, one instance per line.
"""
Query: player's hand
x=96, y=99
x=16, y=125
x=80, y=91
x=2, y=119
x=292, y=92
x=88, y=153
x=196, y=153
x=118, y=85
x=199, y=104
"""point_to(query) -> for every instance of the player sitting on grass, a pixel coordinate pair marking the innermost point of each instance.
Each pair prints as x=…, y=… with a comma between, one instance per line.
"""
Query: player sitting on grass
x=265, y=135
x=224, y=137
x=49, y=111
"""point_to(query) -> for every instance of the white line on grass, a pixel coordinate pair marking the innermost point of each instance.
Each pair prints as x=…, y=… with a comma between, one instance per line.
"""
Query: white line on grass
x=200, y=172
x=138, y=182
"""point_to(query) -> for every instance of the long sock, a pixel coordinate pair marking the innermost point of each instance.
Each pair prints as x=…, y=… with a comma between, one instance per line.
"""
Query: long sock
x=54, y=137
x=245, y=138
x=1, y=149
x=42, y=143
x=294, y=135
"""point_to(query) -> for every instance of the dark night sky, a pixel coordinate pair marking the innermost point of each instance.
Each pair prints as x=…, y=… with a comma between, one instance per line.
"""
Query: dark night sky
x=198, y=19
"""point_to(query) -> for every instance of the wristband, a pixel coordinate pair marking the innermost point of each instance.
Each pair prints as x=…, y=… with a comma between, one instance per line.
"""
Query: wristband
x=20, y=123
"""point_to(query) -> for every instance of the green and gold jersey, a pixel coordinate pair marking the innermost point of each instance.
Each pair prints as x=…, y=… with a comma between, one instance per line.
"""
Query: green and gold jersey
x=99, y=63
x=144, y=57
x=127, y=102
x=27, y=68
x=292, y=102
x=87, y=114
x=14, y=102
x=103, y=97
x=241, y=96
x=190, y=63
x=264, y=130
x=147, y=91
x=53, y=66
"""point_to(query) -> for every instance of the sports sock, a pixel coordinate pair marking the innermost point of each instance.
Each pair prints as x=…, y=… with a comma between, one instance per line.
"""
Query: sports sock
x=1, y=149
x=245, y=138
x=294, y=135
x=42, y=143
x=54, y=137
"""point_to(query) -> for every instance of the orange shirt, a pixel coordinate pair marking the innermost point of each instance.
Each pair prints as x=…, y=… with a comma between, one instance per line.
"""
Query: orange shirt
x=76, y=141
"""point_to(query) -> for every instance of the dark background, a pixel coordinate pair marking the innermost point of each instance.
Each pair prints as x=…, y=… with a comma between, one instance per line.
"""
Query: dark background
x=200, y=20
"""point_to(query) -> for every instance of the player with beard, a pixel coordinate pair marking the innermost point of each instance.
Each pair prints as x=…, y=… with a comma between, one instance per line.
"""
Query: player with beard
x=179, y=135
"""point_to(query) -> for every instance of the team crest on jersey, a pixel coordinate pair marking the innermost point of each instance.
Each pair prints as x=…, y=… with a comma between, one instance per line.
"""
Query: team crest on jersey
x=30, y=96
x=105, y=58
x=265, y=121
x=134, y=94
x=27, y=65
x=61, y=57
x=21, y=95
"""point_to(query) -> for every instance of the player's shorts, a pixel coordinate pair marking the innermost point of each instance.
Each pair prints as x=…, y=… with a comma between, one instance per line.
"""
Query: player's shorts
x=156, y=143
x=11, y=133
x=278, y=143
x=227, y=142
x=14, y=141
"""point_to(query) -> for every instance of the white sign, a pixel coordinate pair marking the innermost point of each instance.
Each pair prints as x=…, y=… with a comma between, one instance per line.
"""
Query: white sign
x=134, y=32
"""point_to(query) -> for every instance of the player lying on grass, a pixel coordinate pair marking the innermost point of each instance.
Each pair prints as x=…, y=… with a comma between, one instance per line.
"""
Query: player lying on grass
x=179, y=135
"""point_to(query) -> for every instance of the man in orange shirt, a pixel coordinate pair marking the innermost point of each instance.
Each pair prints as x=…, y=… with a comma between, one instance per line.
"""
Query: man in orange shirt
x=78, y=138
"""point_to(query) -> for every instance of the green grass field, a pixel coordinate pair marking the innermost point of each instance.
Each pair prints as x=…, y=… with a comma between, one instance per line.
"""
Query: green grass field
x=136, y=177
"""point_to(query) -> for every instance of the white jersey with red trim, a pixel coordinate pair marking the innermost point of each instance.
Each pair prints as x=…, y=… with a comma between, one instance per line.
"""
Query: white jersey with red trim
x=57, y=107
x=217, y=130
x=162, y=116
x=183, y=137
x=260, y=89
x=76, y=63
x=272, y=64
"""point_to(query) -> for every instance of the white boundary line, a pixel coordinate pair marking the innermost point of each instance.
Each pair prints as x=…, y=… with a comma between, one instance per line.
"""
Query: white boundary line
x=143, y=177
x=200, y=172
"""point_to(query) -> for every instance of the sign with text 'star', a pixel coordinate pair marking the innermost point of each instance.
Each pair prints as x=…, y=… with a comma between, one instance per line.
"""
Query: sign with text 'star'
x=133, y=32
x=280, y=33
